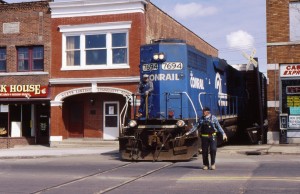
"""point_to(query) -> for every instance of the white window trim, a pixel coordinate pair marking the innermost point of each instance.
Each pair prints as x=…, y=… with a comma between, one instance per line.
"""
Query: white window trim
x=88, y=29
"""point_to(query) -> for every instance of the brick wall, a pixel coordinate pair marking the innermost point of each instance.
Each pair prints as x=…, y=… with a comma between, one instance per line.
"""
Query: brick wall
x=277, y=13
x=135, y=40
x=273, y=86
x=11, y=142
x=34, y=29
x=161, y=25
x=277, y=21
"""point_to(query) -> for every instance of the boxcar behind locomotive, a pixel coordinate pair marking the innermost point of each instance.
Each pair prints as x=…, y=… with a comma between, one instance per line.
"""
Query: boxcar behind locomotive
x=185, y=80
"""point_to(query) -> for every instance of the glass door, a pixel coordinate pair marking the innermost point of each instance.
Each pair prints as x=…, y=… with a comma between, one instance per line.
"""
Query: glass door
x=111, y=120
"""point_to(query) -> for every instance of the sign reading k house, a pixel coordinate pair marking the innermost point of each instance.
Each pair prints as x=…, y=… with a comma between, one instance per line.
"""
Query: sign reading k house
x=19, y=91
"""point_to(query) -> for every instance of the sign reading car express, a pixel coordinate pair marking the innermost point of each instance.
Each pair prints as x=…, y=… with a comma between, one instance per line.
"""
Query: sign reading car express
x=27, y=91
x=289, y=70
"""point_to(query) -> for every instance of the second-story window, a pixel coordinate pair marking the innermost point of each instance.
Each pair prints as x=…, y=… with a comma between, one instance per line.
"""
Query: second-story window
x=101, y=46
x=31, y=58
x=96, y=50
x=2, y=59
x=294, y=18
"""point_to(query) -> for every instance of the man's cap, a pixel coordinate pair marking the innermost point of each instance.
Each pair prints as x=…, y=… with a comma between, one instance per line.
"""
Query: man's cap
x=206, y=109
x=145, y=76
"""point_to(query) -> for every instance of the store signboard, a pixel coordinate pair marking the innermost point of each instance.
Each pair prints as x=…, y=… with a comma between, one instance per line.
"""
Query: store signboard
x=290, y=70
x=23, y=91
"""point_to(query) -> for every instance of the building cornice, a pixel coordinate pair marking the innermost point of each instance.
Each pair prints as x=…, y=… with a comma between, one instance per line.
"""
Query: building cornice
x=80, y=8
x=133, y=79
x=283, y=43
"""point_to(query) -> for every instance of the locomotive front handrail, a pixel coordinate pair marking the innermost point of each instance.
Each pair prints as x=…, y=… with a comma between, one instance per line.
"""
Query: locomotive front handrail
x=191, y=104
x=157, y=126
x=123, y=111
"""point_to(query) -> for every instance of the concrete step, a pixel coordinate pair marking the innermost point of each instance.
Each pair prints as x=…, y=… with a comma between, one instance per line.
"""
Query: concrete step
x=86, y=142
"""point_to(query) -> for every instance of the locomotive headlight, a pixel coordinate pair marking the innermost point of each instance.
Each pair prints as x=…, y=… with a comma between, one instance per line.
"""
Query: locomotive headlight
x=161, y=56
x=180, y=123
x=132, y=123
x=155, y=56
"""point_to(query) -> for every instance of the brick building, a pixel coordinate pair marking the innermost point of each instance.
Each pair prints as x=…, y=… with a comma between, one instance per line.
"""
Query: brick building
x=25, y=60
x=95, y=61
x=283, y=37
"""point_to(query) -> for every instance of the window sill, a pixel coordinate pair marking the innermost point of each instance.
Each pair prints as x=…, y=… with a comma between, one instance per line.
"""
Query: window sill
x=104, y=67
x=23, y=73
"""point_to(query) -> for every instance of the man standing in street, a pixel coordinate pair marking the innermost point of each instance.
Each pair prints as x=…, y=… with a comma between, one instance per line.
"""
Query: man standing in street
x=145, y=89
x=208, y=128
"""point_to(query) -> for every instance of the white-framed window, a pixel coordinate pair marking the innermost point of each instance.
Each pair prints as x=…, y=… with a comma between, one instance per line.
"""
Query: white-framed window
x=294, y=17
x=95, y=46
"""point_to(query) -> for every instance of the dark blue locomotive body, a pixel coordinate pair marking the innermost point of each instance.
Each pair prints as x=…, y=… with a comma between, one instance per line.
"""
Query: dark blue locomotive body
x=185, y=81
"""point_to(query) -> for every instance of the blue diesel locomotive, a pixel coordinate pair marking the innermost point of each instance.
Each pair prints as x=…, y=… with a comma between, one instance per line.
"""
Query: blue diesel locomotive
x=184, y=80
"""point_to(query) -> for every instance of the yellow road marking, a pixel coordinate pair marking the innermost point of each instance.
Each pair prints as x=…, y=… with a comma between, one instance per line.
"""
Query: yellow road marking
x=239, y=178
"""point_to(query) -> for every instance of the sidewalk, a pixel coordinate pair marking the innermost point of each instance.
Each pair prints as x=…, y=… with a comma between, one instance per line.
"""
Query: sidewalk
x=34, y=151
x=262, y=149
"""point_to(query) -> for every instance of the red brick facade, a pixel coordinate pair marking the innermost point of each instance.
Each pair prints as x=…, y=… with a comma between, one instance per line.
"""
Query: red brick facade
x=161, y=25
x=150, y=24
x=280, y=50
x=34, y=20
x=23, y=25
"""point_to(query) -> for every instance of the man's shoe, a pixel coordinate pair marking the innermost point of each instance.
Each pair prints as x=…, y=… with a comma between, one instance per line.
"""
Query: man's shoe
x=205, y=168
x=213, y=167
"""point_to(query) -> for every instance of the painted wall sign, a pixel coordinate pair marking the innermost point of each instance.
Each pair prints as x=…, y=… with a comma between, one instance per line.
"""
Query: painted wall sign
x=84, y=90
x=289, y=70
x=21, y=91
x=11, y=28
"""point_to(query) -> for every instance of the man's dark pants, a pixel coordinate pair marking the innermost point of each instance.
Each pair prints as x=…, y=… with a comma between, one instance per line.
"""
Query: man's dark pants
x=209, y=143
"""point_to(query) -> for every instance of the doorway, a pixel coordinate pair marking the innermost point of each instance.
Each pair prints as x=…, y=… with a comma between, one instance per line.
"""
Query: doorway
x=111, y=120
x=76, y=123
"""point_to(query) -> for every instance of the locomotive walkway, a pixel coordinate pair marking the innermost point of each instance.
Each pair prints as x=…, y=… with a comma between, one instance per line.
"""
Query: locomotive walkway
x=36, y=151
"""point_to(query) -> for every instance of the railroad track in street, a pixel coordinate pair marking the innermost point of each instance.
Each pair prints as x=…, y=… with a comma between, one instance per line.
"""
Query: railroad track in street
x=106, y=174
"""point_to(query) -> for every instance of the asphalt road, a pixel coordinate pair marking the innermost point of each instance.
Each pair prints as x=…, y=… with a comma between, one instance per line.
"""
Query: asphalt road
x=105, y=173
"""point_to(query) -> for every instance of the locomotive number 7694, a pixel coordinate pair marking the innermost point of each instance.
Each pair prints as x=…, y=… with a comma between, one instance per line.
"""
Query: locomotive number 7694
x=150, y=67
x=172, y=66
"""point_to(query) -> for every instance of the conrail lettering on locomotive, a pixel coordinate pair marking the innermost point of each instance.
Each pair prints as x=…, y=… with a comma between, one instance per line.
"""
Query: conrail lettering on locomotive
x=197, y=83
x=164, y=77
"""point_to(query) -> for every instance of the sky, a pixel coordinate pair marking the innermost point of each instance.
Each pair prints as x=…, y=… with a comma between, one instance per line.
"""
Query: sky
x=233, y=27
